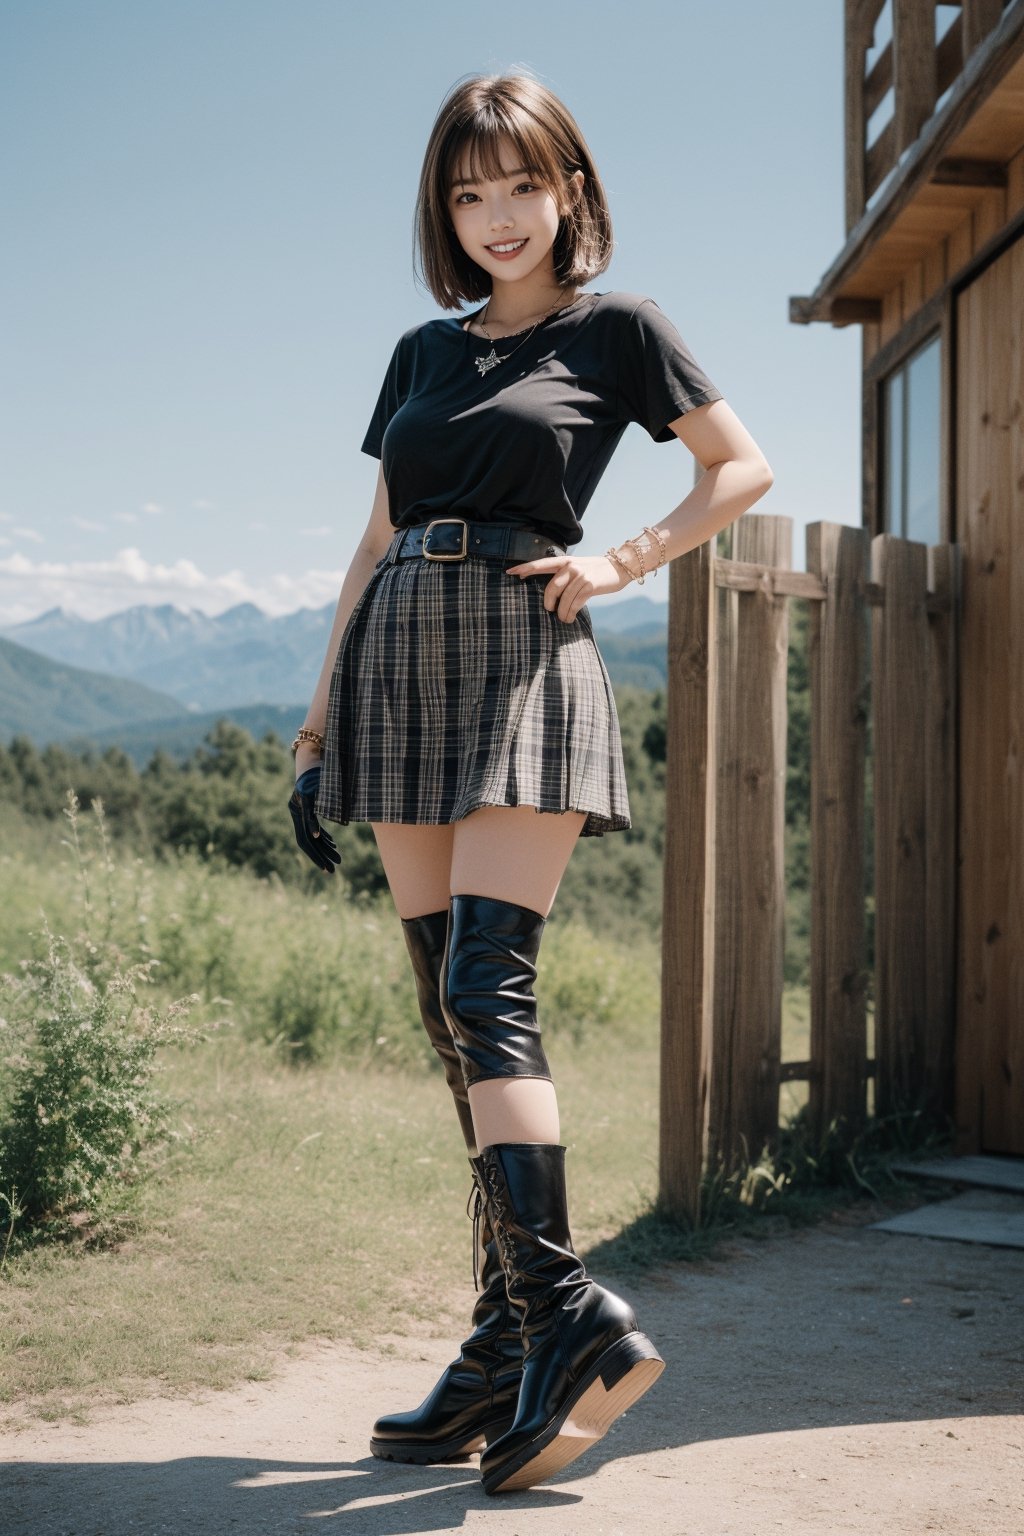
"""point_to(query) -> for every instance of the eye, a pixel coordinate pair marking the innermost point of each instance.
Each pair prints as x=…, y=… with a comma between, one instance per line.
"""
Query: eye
x=531, y=186
x=464, y=194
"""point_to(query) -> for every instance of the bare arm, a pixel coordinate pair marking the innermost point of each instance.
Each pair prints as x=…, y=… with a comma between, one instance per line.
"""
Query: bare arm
x=373, y=544
x=736, y=474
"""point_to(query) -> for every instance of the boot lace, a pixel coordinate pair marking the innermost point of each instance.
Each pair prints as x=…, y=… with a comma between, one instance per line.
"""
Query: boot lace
x=506, y=1243
x=476, y=1201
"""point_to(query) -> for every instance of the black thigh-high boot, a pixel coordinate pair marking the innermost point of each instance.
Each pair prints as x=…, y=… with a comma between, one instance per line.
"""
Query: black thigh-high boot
x=585, y=1359
x=476, y=1395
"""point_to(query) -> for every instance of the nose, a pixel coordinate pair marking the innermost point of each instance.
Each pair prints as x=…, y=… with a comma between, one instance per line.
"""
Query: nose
x=501, y=214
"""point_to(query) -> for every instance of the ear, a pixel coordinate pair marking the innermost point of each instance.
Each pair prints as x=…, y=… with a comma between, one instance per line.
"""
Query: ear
x=571, y=195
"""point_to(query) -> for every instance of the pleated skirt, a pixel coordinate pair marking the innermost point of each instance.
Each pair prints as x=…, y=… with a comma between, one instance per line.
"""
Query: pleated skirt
x=454, y=688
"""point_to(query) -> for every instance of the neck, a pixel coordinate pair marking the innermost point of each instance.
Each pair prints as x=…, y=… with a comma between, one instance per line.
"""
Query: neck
x=513, y=303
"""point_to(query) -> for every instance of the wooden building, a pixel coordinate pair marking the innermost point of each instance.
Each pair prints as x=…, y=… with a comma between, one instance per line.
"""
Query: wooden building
x=932, y=271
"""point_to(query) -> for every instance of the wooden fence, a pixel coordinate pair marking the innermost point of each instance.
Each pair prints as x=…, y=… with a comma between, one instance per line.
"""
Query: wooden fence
x=882, y=659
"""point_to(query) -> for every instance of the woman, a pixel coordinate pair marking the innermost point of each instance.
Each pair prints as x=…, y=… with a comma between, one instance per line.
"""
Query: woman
x=464, y=710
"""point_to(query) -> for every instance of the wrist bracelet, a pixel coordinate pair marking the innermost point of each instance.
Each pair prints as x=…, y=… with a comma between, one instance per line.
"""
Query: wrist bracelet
x=610, y=554
x=657, y=534
x=307, y=734
x=640, y=556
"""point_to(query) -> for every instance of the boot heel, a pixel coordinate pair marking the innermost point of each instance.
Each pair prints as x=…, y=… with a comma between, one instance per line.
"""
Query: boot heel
x=621, y=1377
x=624, y=1355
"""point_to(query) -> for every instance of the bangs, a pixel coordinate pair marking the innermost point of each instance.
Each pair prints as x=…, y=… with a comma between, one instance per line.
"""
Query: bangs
x=475, y=150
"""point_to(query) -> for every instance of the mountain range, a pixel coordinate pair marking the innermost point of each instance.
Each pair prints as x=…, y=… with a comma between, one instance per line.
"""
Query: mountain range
x=161, y=675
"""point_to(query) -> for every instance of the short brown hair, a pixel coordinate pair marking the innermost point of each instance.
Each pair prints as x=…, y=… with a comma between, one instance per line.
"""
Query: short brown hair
x=477, y=115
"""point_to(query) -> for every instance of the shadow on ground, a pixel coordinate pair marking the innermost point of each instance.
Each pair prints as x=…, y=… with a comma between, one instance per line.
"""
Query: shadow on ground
x=829, y=1378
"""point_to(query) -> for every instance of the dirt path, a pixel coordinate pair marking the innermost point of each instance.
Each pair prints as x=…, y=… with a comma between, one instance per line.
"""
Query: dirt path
x=832, y=1380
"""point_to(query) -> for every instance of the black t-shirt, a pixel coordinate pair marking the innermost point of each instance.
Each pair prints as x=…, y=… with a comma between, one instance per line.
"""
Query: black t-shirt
x=527, y=441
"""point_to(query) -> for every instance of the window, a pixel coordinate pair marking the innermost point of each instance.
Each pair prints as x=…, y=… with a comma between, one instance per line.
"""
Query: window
x=910, y=447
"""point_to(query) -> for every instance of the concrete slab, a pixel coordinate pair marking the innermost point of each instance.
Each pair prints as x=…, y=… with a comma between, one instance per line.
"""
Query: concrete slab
x=984, y=1170
x=976, y=1216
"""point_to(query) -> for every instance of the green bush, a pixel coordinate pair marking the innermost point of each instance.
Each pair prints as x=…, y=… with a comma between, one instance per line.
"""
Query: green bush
x=81, y=1108
x=80, y=1114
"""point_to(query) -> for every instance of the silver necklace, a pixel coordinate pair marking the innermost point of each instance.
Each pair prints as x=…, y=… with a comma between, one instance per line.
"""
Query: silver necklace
x=485, y=364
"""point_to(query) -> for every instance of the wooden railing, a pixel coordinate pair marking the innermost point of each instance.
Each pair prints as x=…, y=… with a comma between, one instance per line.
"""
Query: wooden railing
x=724, y=895
x=916, y=69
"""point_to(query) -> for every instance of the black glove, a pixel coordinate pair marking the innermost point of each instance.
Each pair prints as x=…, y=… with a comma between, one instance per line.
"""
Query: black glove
x=309, y=834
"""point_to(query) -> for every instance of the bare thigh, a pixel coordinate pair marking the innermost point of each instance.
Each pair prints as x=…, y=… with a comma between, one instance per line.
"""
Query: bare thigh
x=417, y=861
x=514, y=853
x=511, y=853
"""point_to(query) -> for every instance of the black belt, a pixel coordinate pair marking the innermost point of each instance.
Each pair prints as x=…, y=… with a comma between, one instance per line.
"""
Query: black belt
x=453, y=538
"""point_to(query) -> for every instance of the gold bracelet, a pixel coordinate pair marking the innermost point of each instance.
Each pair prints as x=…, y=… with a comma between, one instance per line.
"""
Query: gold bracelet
x=640, y=556
x=307, y=734
x=657, y=534
x=610, y=554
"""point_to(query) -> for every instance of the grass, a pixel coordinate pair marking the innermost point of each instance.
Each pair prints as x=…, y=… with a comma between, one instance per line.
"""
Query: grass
x=322, y=1202
x=319, y=1191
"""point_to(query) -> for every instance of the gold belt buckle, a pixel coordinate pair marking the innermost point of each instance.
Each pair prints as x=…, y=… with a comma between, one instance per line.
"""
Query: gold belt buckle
x=460, y=554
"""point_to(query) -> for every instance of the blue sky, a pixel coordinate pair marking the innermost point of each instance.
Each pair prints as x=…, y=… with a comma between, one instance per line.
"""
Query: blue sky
x=207, y=261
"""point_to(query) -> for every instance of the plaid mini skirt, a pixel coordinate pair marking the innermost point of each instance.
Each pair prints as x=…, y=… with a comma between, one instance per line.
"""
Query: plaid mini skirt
x=454, y=688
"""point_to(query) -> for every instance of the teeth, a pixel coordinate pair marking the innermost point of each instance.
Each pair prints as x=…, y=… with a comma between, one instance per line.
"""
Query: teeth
x=514, y=246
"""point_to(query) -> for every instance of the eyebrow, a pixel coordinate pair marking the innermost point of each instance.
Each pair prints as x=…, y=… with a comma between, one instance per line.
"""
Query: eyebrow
x=521, y=170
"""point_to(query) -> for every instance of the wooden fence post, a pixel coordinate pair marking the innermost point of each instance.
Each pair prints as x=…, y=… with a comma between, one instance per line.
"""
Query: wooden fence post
x=899, y=682
x=687, y=934
x=749, y=851
x=838, y=555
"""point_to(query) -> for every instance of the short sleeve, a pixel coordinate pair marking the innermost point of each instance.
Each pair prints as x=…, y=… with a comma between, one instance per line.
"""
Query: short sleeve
x=659, y=378
x=392, y=393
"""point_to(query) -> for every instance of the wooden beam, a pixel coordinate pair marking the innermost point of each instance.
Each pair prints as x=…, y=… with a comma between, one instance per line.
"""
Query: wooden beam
x=956, y=172
x=804, y=311
x=913, y=68
x=857, y=37
x=748, y=576
x=977, y=19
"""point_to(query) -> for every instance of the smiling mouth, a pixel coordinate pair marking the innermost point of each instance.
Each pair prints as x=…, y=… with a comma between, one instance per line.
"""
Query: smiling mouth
x=505, y=247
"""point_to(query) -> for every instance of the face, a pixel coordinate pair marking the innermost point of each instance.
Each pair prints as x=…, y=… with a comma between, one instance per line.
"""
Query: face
x=508, y=226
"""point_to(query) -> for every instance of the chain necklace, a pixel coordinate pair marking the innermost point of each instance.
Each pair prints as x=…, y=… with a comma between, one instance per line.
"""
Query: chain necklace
x=485, y=364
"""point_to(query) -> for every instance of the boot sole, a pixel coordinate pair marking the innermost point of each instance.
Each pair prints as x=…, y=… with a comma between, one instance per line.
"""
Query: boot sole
x=619, y=1378
x=449, y=1450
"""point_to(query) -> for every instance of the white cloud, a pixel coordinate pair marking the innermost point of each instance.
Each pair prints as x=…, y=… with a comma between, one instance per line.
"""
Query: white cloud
x=317, y=533
x=153, y=508
x=87, y=524
x=6, y=517
x=95, y=588
x=28, y=533
x=125, y=517
x=205, y=506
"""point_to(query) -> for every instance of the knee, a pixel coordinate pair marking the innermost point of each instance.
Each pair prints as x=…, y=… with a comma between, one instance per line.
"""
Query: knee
x=488, y=989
